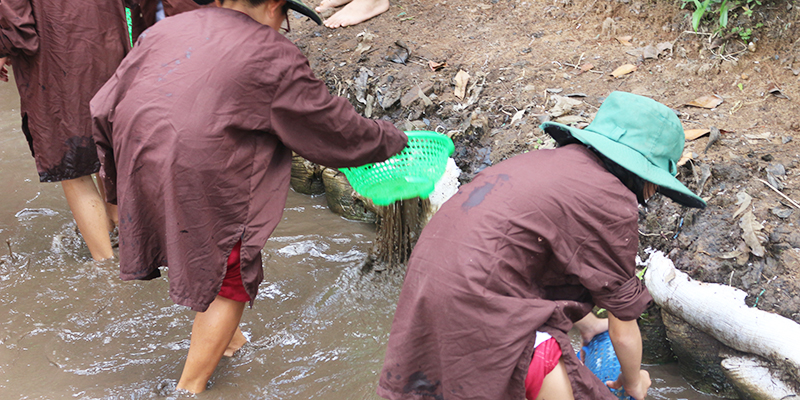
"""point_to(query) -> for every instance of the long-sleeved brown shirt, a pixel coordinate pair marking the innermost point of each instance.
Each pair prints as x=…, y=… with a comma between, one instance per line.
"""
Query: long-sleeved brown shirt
x=530, y=244
x=195, y=133
x=62, y=52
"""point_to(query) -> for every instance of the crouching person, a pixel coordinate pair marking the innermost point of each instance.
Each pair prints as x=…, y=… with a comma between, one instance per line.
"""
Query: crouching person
x=508, y=265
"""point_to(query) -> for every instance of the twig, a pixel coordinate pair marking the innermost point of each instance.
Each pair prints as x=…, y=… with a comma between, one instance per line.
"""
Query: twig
x=794, y=203
x=11, y=252
x=577, y=64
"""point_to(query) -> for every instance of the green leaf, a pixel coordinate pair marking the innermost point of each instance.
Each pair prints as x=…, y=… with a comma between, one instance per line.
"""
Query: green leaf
x=723, y=14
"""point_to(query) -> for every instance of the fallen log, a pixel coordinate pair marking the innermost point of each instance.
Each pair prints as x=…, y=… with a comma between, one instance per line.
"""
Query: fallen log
x=754, y=379
x=721, y=312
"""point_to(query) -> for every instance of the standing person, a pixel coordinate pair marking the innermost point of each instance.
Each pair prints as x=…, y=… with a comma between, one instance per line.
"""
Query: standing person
x=507, y=265
x=195, y=133
x=353, y=13
x=61, y=52
x=147, y=12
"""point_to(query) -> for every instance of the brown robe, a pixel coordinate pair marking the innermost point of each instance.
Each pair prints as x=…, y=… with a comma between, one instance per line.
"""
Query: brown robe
x=531, y=244
x=62, y=52
x=195, y=132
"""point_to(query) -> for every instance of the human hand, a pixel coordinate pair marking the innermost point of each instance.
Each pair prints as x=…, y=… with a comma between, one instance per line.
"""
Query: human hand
x=637, y=390
x=3, y=70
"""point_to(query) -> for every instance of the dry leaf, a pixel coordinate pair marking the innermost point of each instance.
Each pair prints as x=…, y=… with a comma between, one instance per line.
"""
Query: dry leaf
x=364, y=43
x=687, y=155
x=650, y=52
x=709, y=101
x=570, y=120
x=758, y=136
x=623, y=70
x=462, y=78
x=664, y=46
x=776, y=91
x=563, y=105
x=751, y=233
x=625, y=40
x=435, y=66
x=586, y=67
x=692, y=134
x=518, y=116
x=730, y=255
x=743, y=200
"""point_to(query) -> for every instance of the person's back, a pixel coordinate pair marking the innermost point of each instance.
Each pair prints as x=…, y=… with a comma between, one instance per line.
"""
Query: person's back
x=195, y=132
x=530, y=244
x=568, y=198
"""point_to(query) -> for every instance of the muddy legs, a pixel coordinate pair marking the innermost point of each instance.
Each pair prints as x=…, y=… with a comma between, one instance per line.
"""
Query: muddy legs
x=93, y=219
x=212, y=335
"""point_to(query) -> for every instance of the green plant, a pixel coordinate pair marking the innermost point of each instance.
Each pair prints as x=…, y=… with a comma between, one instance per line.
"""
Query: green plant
x=720, y=10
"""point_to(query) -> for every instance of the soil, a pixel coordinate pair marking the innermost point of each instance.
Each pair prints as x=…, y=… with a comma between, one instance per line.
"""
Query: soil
x=524, y=57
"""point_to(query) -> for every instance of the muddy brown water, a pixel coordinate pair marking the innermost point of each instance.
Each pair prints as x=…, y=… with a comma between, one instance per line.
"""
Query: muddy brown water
x=69, y=328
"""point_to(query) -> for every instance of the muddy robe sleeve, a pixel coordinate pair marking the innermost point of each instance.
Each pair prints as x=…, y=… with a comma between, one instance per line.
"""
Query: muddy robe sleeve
x=102, y=108
x=17, y=28
x=607, y=265
x=326, y=129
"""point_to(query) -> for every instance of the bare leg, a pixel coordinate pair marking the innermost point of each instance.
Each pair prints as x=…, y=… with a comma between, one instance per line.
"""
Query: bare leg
x=111, y=209
x=356, y=12
x=590, y=325
x=89, y=211
x=212, y=332
x=556, y=385
x=326, y=5
x=237, y=341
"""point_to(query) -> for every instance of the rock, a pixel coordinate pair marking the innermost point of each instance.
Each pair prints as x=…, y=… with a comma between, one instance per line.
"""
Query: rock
x=785, y=234
x=417, y=92
x=782, y=212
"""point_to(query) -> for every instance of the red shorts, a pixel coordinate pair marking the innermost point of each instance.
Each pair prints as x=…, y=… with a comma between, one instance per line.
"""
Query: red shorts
x=545, y=359
x=232, y=286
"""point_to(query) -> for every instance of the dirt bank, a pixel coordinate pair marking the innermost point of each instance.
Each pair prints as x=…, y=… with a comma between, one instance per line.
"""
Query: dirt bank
x=530, y=61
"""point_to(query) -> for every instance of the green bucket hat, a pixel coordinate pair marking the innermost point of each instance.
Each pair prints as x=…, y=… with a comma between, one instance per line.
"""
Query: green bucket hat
x=641, y=135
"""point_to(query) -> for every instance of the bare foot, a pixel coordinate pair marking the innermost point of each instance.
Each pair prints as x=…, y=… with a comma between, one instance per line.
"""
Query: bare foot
x=237, y=341
x=326, y=5
x=356, y=12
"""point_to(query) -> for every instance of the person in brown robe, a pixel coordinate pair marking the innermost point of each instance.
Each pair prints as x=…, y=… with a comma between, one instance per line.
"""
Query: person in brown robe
x=527, y=249
x=61, y=52
x=195, y=133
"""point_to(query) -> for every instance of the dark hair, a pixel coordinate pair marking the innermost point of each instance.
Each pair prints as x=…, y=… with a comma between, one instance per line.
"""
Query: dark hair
x=632, y=181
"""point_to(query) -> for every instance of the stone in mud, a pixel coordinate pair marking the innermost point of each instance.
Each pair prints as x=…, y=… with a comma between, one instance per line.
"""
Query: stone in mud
x=698, y=357
x=343, y=200
x=420, y=91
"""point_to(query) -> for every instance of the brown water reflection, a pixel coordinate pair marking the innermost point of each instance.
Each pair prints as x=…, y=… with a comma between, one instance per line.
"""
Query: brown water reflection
x=69, y=328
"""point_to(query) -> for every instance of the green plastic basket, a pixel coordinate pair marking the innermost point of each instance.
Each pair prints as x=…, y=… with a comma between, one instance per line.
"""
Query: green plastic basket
x=412, y=172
